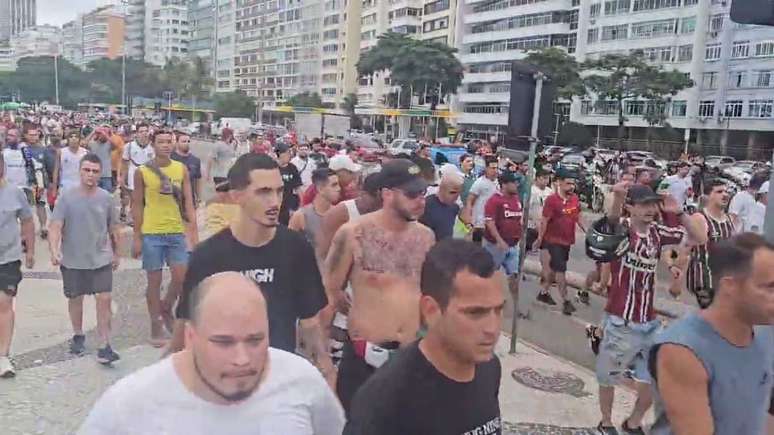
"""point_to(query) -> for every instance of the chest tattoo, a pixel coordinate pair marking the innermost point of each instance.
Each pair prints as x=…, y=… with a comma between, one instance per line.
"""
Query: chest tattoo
x=400, y=254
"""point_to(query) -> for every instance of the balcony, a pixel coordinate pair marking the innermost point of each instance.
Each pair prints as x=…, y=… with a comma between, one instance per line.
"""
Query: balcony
x=514, y=11
x=493, y=56
x=483, y=118
x=504, y=76
x=485, y=97
x=520, y=32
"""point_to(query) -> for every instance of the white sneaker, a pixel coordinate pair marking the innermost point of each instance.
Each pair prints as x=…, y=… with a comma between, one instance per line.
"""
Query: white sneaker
x=6, y=368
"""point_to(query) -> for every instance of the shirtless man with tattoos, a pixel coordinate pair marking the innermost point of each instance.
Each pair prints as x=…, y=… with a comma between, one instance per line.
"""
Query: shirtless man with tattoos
x=381, y=256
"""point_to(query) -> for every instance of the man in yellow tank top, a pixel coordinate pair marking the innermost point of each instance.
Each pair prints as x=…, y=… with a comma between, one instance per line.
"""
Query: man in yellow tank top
x=162, y=207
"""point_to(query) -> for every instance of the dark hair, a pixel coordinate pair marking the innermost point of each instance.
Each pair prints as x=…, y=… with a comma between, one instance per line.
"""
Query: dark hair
x=179, y=133
x=91, y=158
x=445, y=260
x=239, y=174
x=465, y=156
x=320, y=176
x=488, y=160
x=141, y=125
x=734, y=256
x=159, y=132
x=757, y=180
x=31, y=126
x=711, y=184
x=372, y=184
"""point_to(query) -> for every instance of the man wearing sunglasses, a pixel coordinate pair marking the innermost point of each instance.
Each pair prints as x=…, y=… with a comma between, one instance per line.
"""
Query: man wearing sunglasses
x=380, y=255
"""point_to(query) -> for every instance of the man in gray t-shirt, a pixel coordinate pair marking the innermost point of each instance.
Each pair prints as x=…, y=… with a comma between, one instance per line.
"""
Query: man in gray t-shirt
x=102, y=147
x=14, y=208
x=221, y=159
x=82, y=240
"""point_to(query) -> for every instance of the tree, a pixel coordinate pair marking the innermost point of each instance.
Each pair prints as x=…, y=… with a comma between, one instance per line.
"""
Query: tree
x=424, y=68
x=305, y=99
x=625, y=77
x=349, y=102
x=34, y=81
x=562, y=69
x=234, y=104
x=177, y=76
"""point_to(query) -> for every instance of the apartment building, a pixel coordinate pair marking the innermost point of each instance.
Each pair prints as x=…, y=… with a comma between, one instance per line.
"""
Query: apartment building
x=225, y=45
x=167, y=30
x=37, y=41
x=94, y=35
x=7, y=62
x=201, y=19
x=134, y=11
x=16, y=16
x=72, y=42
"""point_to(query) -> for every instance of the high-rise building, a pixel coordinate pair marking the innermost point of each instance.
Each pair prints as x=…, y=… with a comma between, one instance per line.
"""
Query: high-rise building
x=43, y=40
x=94, y=35
x=72, y=41
x=134, y=11
x=16, y=16
x=201, y=19
x=167, y=30
x=7, y=62
x=225, y=42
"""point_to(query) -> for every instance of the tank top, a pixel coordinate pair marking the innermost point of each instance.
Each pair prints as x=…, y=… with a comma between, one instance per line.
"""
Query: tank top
x=352, y=210
x=740, y=378
x=312, y=222
x=161, y=214
x=69, y=167
x=340, y=320
x=699, y=275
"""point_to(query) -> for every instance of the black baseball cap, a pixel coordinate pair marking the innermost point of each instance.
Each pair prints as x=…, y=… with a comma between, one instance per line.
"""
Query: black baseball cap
x=640, y=193
x=566, y=174
x=508, y=177
x=281, y=148
x=403, y=174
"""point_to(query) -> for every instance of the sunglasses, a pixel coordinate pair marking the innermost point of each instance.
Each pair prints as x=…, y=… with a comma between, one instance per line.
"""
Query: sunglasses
x=413, y=195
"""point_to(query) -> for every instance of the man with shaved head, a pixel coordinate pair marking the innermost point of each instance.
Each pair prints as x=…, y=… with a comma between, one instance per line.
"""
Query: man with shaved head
x=227, y=380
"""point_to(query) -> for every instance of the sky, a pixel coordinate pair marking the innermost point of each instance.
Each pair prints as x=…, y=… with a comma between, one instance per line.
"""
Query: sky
x=58, y=12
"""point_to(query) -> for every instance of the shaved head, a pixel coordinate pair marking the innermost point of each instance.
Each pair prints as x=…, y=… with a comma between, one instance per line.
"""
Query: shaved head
x=222, y=287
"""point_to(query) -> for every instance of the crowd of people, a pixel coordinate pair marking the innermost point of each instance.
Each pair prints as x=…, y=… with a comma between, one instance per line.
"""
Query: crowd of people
x=333, y=295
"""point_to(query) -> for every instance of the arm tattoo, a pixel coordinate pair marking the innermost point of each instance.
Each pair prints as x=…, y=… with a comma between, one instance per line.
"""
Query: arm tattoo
x=314, y=341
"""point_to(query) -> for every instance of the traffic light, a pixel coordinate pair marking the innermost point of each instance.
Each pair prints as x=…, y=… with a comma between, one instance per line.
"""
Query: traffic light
x=759, y=12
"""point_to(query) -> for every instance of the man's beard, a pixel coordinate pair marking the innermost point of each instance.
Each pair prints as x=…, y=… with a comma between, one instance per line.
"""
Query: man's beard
x=405, y=214
x=236, y=397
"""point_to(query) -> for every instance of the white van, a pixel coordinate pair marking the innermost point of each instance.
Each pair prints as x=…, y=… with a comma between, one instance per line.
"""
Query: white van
x=236, y=124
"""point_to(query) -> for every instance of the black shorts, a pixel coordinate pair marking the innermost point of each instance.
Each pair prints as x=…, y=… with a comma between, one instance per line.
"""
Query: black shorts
x=353, y=373
x=559, y=254
x=80, y=282
x=10, y=277
x=478, y=235
x=532, y=235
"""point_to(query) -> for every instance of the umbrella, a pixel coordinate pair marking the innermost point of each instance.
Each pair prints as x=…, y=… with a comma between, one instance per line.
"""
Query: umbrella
x=10, y=106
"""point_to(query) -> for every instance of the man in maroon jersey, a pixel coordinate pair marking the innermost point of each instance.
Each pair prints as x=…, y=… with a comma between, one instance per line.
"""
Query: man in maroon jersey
x=561, y=213
x=630, y=323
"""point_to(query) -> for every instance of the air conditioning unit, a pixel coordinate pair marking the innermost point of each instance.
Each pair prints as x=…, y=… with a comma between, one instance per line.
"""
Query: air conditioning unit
x=713, y=34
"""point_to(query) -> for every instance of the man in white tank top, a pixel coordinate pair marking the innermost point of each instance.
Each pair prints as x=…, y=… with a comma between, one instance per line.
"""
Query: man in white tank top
x=70, y=160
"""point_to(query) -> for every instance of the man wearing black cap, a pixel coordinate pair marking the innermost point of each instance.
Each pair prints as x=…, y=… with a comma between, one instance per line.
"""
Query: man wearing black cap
x=630, y=323
x=381, y=256
x=291, y=180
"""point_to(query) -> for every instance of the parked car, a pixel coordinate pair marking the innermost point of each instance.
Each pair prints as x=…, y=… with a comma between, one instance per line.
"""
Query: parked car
x=718, y=163
x=573, y=162
x=403, y=146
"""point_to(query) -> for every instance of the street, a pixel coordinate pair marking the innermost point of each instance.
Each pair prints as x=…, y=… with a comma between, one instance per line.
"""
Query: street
x=547, y=387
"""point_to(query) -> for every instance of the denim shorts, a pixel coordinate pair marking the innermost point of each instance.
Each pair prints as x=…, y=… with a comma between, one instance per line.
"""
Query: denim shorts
x=624, y=350
x=106, y=183
x=508, y=259
x=158, y=249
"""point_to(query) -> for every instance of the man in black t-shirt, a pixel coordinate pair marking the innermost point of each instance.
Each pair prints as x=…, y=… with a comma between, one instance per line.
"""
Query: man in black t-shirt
x=449, y=381
x=184, y=155
x=442, y=208
x=291, y=180
x=279, y=260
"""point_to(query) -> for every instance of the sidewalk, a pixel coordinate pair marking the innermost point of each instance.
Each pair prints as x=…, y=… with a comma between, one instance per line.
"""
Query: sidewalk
x=539, y=394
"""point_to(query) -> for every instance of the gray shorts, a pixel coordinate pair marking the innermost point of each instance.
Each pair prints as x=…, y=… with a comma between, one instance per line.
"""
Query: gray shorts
x=624, y=350
x=80, y=282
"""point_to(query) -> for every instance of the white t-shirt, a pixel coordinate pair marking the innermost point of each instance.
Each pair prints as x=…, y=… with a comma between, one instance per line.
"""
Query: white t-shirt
x=15, y=168
x=537, y=199
x=678, y=187
x=742, y=205
x=305, y=169
x=136, y=156
x=757, y=217
x=69, y=167
x=293, y=399
x=483, y=188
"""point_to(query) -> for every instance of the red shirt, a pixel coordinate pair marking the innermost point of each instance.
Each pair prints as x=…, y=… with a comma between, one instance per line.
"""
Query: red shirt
x=631, y=291
x=506, y=213
x=562, y=216
x=347, y=192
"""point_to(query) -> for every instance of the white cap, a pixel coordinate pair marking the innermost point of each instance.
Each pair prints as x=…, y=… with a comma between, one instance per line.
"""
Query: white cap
x=764, y=188
x=343, y=161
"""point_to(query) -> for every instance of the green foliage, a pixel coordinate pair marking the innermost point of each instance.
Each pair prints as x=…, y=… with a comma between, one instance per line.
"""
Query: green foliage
x=234, y=104
x=305, y=99
x=561, y=68
x=418, y=67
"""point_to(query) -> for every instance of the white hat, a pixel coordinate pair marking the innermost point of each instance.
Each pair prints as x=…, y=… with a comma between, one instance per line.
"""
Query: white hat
x=343, y=161
x=764, y=188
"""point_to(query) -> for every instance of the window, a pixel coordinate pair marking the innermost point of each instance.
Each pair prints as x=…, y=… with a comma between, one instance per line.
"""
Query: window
x=737, y=79
x=437, y=6
x=614, y=7
x=657, y=54
x=593, y=36
x=331, y=20
x=634, y=108
x=765, y=48
x=762, y=79
x=690, y=2
x=740, y=49
x=712, y=52
x=707, y=108
x=612, y=33
x=500, y=88
x=709, y=80
x=687, y=24
x=516, y=22
x=684, y=53
x=679, y=108
x=760, y=108
x=653, y=29
x=716, y=23
x=647, y=5
x=733, y=109
x=595, y=10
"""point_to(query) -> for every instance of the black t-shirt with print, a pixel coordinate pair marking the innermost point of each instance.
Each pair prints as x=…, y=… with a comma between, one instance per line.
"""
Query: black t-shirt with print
x=409, y=396
x=285, y=269
x=292, y=180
